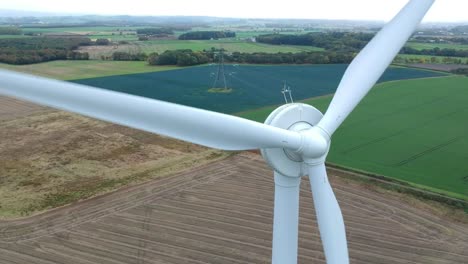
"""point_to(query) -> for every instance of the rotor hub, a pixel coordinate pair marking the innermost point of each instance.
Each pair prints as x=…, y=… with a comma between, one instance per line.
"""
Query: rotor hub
x=301, y=118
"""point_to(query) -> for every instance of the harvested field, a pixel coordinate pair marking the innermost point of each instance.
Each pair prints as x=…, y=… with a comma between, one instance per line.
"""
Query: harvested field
x=222, y=213
x=11, y=108
x=72, y=70
x=50, y=158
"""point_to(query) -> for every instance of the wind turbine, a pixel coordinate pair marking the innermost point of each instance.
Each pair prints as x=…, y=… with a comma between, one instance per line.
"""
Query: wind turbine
x=294, y=140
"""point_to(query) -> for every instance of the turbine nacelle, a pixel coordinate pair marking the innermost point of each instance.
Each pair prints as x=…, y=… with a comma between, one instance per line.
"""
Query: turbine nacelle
x=314, y=144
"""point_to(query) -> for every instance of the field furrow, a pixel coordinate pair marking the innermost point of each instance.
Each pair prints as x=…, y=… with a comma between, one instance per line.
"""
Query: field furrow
x=222, y=213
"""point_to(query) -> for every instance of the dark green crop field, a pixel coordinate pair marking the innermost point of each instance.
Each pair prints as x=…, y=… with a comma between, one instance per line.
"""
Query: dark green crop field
x=413, y=130
x=251, y=86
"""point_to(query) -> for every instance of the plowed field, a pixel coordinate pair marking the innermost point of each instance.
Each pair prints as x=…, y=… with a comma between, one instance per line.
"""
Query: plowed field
x=222, y=213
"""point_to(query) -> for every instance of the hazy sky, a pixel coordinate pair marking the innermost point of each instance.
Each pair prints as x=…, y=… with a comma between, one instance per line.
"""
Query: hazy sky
x=442, y=10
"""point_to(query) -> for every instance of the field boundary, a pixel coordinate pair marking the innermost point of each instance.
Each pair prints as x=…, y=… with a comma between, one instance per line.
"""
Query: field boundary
x=448, y=75
x=400, y=186
x=425, y=69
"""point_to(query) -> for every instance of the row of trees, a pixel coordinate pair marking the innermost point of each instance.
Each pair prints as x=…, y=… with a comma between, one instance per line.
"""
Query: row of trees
x=65, y=43
x=332, y=41
x=290, y=58
x=437, y=39
x=10, y=31
x=435, y=52
x=352, y=42
x=189, y=57
x=35, y=50
x=433, y=60
x=205, y=35
x=102, y=42
x=36, y=56
x=125, y=56
x=179, y=57
x=154, y=31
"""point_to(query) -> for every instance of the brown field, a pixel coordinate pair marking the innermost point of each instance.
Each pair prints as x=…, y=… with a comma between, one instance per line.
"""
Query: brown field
x=11, y=108
x=218, y=212
x=222, y=213
x=50, y=158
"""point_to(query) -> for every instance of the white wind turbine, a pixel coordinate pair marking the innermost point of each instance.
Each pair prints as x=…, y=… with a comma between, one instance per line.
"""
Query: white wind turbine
x=294, y=139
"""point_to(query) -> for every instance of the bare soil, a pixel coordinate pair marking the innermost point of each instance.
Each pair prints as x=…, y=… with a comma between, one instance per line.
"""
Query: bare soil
x=222, y=213
x=50, y=158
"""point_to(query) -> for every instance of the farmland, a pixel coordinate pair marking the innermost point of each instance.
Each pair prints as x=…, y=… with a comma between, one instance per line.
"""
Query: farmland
x=49, y=158
x=413, y=58
x=160, y=46
x=252, y=86
x=68, y=70
x=414, y=131
x=420, y=46
x=78, y=190
x=222, y=213
x=258, y=86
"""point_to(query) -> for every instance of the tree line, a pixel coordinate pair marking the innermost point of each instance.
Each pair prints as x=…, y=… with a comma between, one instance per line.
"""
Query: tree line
x=10, y=31
x=331, y=41
x=154, y=31
x=457, y=40
x=189, y=57
x=433, y=60
x=435, y=52
x=41, y=49
x=351, y=42
x=125, y=56
x=206, y=35
x=185, y=57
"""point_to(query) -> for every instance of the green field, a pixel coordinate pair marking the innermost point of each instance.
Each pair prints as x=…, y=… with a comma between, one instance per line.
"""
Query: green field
x=68, y=70
x=112, y=33
x=253, y=86
x=417, y=127
x=421, y=46
x=228, y=44
x=160, y=46
x=77, y=30
x=414, y=131
x=13, y=36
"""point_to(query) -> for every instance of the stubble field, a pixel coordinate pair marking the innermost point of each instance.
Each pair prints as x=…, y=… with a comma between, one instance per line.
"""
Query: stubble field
x=222, y=213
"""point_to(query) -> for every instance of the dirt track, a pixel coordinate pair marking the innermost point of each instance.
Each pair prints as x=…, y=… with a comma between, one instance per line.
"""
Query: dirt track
x=222, y=213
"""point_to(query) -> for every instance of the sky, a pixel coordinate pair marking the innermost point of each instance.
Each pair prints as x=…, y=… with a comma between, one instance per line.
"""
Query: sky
x=381, y=10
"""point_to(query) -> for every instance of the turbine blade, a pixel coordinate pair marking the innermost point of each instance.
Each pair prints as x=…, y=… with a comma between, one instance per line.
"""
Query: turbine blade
x=371, y=62
x=329, y=218
x=198, y=126
x=286, y=219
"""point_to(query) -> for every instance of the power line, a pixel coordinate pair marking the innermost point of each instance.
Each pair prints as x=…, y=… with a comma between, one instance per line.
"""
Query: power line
x=220, y=73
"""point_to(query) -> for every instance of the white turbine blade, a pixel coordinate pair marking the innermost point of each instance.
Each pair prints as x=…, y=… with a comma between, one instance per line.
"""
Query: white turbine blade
x=329, y=218
x=286, y=219
x=371, y=62
x=186, y=123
